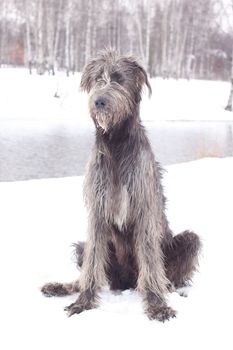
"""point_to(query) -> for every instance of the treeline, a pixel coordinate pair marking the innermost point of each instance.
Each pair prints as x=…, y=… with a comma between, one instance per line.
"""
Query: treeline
x=174, y=38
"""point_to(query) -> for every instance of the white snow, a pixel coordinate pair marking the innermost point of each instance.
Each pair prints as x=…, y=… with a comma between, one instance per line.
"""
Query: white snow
x=41, y=218
x=187, y=100
x=22, y=93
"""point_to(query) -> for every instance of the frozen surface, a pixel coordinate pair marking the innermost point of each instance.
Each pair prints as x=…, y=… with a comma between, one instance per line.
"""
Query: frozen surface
x=41, y=218
x=43, y=136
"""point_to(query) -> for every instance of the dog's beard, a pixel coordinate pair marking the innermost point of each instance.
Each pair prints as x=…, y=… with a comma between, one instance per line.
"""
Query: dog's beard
x=103, y=121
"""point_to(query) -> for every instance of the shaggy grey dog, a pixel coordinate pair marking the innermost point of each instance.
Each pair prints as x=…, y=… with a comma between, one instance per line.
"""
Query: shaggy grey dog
x=129, y=242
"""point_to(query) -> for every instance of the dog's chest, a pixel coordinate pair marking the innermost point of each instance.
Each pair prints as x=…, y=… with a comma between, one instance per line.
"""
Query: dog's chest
x=117, y=196
x=108, y=192
x=118, y=211
x=115, y=203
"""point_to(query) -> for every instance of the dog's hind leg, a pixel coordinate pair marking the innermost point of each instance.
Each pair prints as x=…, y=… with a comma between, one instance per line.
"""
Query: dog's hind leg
x=62, y=289
x=181, y=258
x=55, y=289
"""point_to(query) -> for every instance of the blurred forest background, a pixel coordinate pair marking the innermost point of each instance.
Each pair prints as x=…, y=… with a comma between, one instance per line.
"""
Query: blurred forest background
x=174, y=38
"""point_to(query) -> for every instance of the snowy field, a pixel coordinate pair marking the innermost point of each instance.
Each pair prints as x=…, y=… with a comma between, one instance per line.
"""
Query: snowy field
x=42, y=136
x=25, y=96
x=41, y=218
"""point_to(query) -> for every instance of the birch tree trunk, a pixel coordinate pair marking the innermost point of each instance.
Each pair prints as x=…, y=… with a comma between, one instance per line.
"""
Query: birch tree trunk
x=229, y=106
x=57, y=33
x=67, y=35
x=138, y=24
x=150, y=15
x=28, y=53
x=3, y=32
x=164, y=41
x=40, y=49
x=179, y=25
x=50, y=17
x=88, y=31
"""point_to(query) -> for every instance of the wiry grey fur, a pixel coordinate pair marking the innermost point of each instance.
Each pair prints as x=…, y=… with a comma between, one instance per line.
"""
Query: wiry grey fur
x=129, y=242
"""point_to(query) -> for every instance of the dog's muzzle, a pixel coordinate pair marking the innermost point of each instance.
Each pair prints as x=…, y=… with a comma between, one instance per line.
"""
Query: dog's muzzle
x=100, y=103
x=99, y=111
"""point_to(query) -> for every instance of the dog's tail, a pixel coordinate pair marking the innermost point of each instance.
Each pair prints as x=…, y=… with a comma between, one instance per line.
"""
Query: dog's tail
x=182, y=258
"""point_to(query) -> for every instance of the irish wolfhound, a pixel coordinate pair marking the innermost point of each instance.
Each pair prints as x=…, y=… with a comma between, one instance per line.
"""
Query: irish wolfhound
x=129, y=242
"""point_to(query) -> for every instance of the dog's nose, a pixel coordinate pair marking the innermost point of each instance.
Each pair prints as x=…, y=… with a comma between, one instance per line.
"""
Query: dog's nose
x=100, y=102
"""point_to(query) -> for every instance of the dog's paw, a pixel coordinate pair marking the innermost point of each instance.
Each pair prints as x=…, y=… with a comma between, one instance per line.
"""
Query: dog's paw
x=77, y=308
x=74, y=308
x=85, y=301
x=54, y=290
x=160, y=313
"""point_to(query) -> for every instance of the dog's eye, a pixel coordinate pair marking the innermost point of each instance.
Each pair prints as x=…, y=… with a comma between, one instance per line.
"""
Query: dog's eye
x=117, y=77
x=100, y=80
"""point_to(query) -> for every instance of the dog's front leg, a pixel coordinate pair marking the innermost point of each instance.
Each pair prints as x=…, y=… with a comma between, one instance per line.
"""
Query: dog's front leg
x=152, y=281
x=93, y=275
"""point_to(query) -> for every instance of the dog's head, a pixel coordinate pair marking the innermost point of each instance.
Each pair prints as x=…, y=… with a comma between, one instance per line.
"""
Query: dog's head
x=115, y=85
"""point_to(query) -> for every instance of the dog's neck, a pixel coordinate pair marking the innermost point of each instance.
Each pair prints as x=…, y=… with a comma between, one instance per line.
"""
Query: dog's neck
x=123, y=139
x=120, y=132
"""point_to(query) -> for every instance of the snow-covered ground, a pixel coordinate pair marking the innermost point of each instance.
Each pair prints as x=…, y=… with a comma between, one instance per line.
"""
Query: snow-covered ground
x=43, y=136
x=41, y=218
x=25, y=96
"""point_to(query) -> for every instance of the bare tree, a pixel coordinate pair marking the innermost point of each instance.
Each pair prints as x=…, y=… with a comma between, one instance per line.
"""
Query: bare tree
x=40, y=59
x=150, y=18
x=28, y=43
x=3, y=10
x=88, y=30
x=53, y=26
x=229, y=106
x=68, y=14
x=175, y=38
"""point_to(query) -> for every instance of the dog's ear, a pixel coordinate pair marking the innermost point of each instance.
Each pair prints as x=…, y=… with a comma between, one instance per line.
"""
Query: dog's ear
x=144, y=79
x=88, y=75
x=139, y=74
